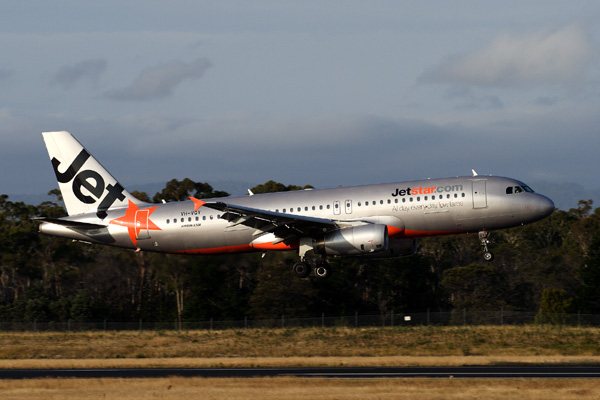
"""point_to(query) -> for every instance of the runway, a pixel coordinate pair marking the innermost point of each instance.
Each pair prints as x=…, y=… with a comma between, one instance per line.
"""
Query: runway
x=309, y=372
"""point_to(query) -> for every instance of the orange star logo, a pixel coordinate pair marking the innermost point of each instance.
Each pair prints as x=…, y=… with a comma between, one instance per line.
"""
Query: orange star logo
x=137, y=221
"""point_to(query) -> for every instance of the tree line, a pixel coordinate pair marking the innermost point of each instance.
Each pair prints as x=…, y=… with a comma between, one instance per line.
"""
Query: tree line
x=551, y=266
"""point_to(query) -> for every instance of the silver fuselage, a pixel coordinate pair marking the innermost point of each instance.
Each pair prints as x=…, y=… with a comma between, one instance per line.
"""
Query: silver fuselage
x=408, y=209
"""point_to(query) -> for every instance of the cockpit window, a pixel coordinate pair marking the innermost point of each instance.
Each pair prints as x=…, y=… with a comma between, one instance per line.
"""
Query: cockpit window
x=518, y=189
x=527, y=189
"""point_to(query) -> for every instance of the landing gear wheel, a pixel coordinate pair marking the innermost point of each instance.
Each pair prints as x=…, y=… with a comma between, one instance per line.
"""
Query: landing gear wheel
x=323, y=271
x=484, y=241
x=301, y=269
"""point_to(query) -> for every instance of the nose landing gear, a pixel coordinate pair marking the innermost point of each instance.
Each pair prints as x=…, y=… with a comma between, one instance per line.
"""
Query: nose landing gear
x=483, y=239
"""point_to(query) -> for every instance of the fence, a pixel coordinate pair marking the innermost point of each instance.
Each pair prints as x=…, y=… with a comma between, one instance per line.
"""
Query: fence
x=454, y=318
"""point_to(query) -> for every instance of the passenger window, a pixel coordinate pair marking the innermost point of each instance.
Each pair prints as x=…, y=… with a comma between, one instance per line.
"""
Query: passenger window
x=320, y=207
x=168, y=221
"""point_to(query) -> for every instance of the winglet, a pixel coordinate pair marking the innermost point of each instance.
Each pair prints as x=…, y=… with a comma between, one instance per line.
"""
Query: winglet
x=197, y=203
x=474, y=172
x=250, y=193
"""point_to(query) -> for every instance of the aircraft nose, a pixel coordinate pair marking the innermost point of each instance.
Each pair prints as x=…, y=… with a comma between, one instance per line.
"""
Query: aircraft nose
x=545, y=206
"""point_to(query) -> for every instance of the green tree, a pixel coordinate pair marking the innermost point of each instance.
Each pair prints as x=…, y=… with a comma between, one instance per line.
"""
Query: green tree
x=554, y=305
x=176, y=190
x=273, y=187
x=475, y=287
x=589, y=291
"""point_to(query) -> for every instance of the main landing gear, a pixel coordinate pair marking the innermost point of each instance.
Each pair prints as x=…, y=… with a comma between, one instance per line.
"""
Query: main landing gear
x=302, y=269
x=483, y=239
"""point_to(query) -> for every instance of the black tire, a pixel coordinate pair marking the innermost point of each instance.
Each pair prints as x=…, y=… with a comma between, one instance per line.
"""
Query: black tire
x=323, y=271
x=487, y=256
x=301, y=269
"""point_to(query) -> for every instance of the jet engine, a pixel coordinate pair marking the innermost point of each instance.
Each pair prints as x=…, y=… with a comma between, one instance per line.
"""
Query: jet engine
x=357, y=240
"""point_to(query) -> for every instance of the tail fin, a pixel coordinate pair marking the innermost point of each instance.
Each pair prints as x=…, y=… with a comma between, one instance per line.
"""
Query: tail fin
x=86, y=186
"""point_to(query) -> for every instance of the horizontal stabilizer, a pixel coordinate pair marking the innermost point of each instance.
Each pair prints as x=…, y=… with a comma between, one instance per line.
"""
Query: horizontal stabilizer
x=70, y=224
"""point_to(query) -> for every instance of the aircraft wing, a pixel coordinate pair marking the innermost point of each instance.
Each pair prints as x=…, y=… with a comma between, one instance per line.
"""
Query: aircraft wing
x=288, y=227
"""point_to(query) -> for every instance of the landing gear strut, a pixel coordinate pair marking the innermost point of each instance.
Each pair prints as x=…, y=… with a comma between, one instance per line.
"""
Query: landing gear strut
x=483, y=239
x=303, y=268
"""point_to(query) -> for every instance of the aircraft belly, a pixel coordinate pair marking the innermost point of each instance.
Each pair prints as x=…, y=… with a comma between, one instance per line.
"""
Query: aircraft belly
x=424, y=224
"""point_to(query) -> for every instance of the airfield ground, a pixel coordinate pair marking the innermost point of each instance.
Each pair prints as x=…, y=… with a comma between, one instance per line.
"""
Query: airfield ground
x=412, y=346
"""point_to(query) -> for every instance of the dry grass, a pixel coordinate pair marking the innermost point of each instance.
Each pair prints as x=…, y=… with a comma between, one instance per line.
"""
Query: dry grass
x=295, y=388
x=275, y=362
x=418, y=346
x=494, y=341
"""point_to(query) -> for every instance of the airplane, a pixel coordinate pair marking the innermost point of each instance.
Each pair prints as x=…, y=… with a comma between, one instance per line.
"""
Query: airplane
x=374, y=221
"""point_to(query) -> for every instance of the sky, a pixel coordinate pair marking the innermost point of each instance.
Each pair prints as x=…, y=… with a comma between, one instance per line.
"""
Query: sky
x=325, y=93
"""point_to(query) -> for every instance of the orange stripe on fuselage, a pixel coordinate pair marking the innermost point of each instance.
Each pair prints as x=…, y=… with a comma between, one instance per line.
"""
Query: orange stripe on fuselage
x=279, y=246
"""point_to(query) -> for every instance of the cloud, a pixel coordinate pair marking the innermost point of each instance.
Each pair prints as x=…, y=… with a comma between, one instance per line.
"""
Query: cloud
x=5, y=74
x=471, y=100
x=159, y=82
x=542, y=58
x=69, y=75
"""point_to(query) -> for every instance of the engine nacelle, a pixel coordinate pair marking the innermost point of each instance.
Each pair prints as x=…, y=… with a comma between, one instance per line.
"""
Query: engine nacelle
x=397, y=248
x=358, y=240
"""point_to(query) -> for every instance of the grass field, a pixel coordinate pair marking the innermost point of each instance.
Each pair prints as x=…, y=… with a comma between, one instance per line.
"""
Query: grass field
x=295, y=388
x=485, y=345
